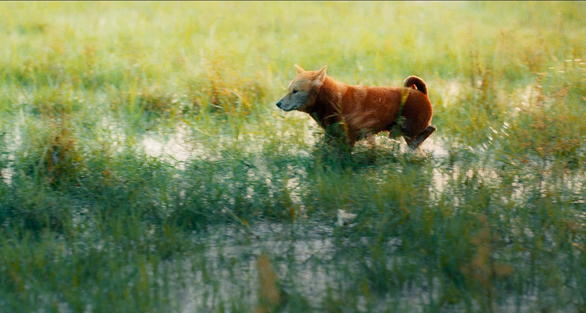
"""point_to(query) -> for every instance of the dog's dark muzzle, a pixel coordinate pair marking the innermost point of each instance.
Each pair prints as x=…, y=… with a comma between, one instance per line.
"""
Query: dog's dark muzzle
x=279, y=104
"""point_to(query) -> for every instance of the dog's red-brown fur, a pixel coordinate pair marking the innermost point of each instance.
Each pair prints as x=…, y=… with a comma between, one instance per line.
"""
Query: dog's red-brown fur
x=362, y=110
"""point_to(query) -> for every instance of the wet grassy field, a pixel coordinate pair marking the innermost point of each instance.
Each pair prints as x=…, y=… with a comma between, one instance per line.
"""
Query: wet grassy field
x=145, y=167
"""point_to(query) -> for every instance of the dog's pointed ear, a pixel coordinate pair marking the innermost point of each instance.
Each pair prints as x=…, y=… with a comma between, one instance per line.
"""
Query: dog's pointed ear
x=320, y=76
x=299, y=69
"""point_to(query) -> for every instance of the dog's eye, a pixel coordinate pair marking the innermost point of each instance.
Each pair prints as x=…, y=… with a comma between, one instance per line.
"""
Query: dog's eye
x=295, y=91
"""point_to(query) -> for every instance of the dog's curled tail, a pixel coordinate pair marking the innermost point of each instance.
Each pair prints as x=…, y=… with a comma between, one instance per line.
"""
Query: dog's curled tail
x=417, y=83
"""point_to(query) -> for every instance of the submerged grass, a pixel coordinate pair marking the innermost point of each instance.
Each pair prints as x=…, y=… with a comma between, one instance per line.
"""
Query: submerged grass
x=145, y=168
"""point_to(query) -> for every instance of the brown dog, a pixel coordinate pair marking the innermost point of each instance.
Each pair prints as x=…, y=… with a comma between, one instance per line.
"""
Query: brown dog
x=360, y=111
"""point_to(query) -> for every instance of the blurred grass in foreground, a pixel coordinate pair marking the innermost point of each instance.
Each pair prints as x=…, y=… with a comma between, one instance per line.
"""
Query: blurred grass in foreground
x=145, y=168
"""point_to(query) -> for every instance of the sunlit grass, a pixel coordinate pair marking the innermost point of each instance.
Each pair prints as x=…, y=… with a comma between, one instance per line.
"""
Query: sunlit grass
x=145, y=167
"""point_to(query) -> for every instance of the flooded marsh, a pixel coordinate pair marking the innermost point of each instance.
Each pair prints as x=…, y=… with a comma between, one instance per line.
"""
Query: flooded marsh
x=144, y=165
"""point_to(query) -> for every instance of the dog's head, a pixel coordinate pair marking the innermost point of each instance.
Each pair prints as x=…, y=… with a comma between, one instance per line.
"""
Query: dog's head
x=303, y=89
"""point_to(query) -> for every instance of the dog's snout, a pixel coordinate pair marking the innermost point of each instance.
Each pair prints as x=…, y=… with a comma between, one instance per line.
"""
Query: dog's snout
x=279, y=104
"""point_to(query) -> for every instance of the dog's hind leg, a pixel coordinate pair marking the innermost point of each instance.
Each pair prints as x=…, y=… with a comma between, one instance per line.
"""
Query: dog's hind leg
x=414, y=141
